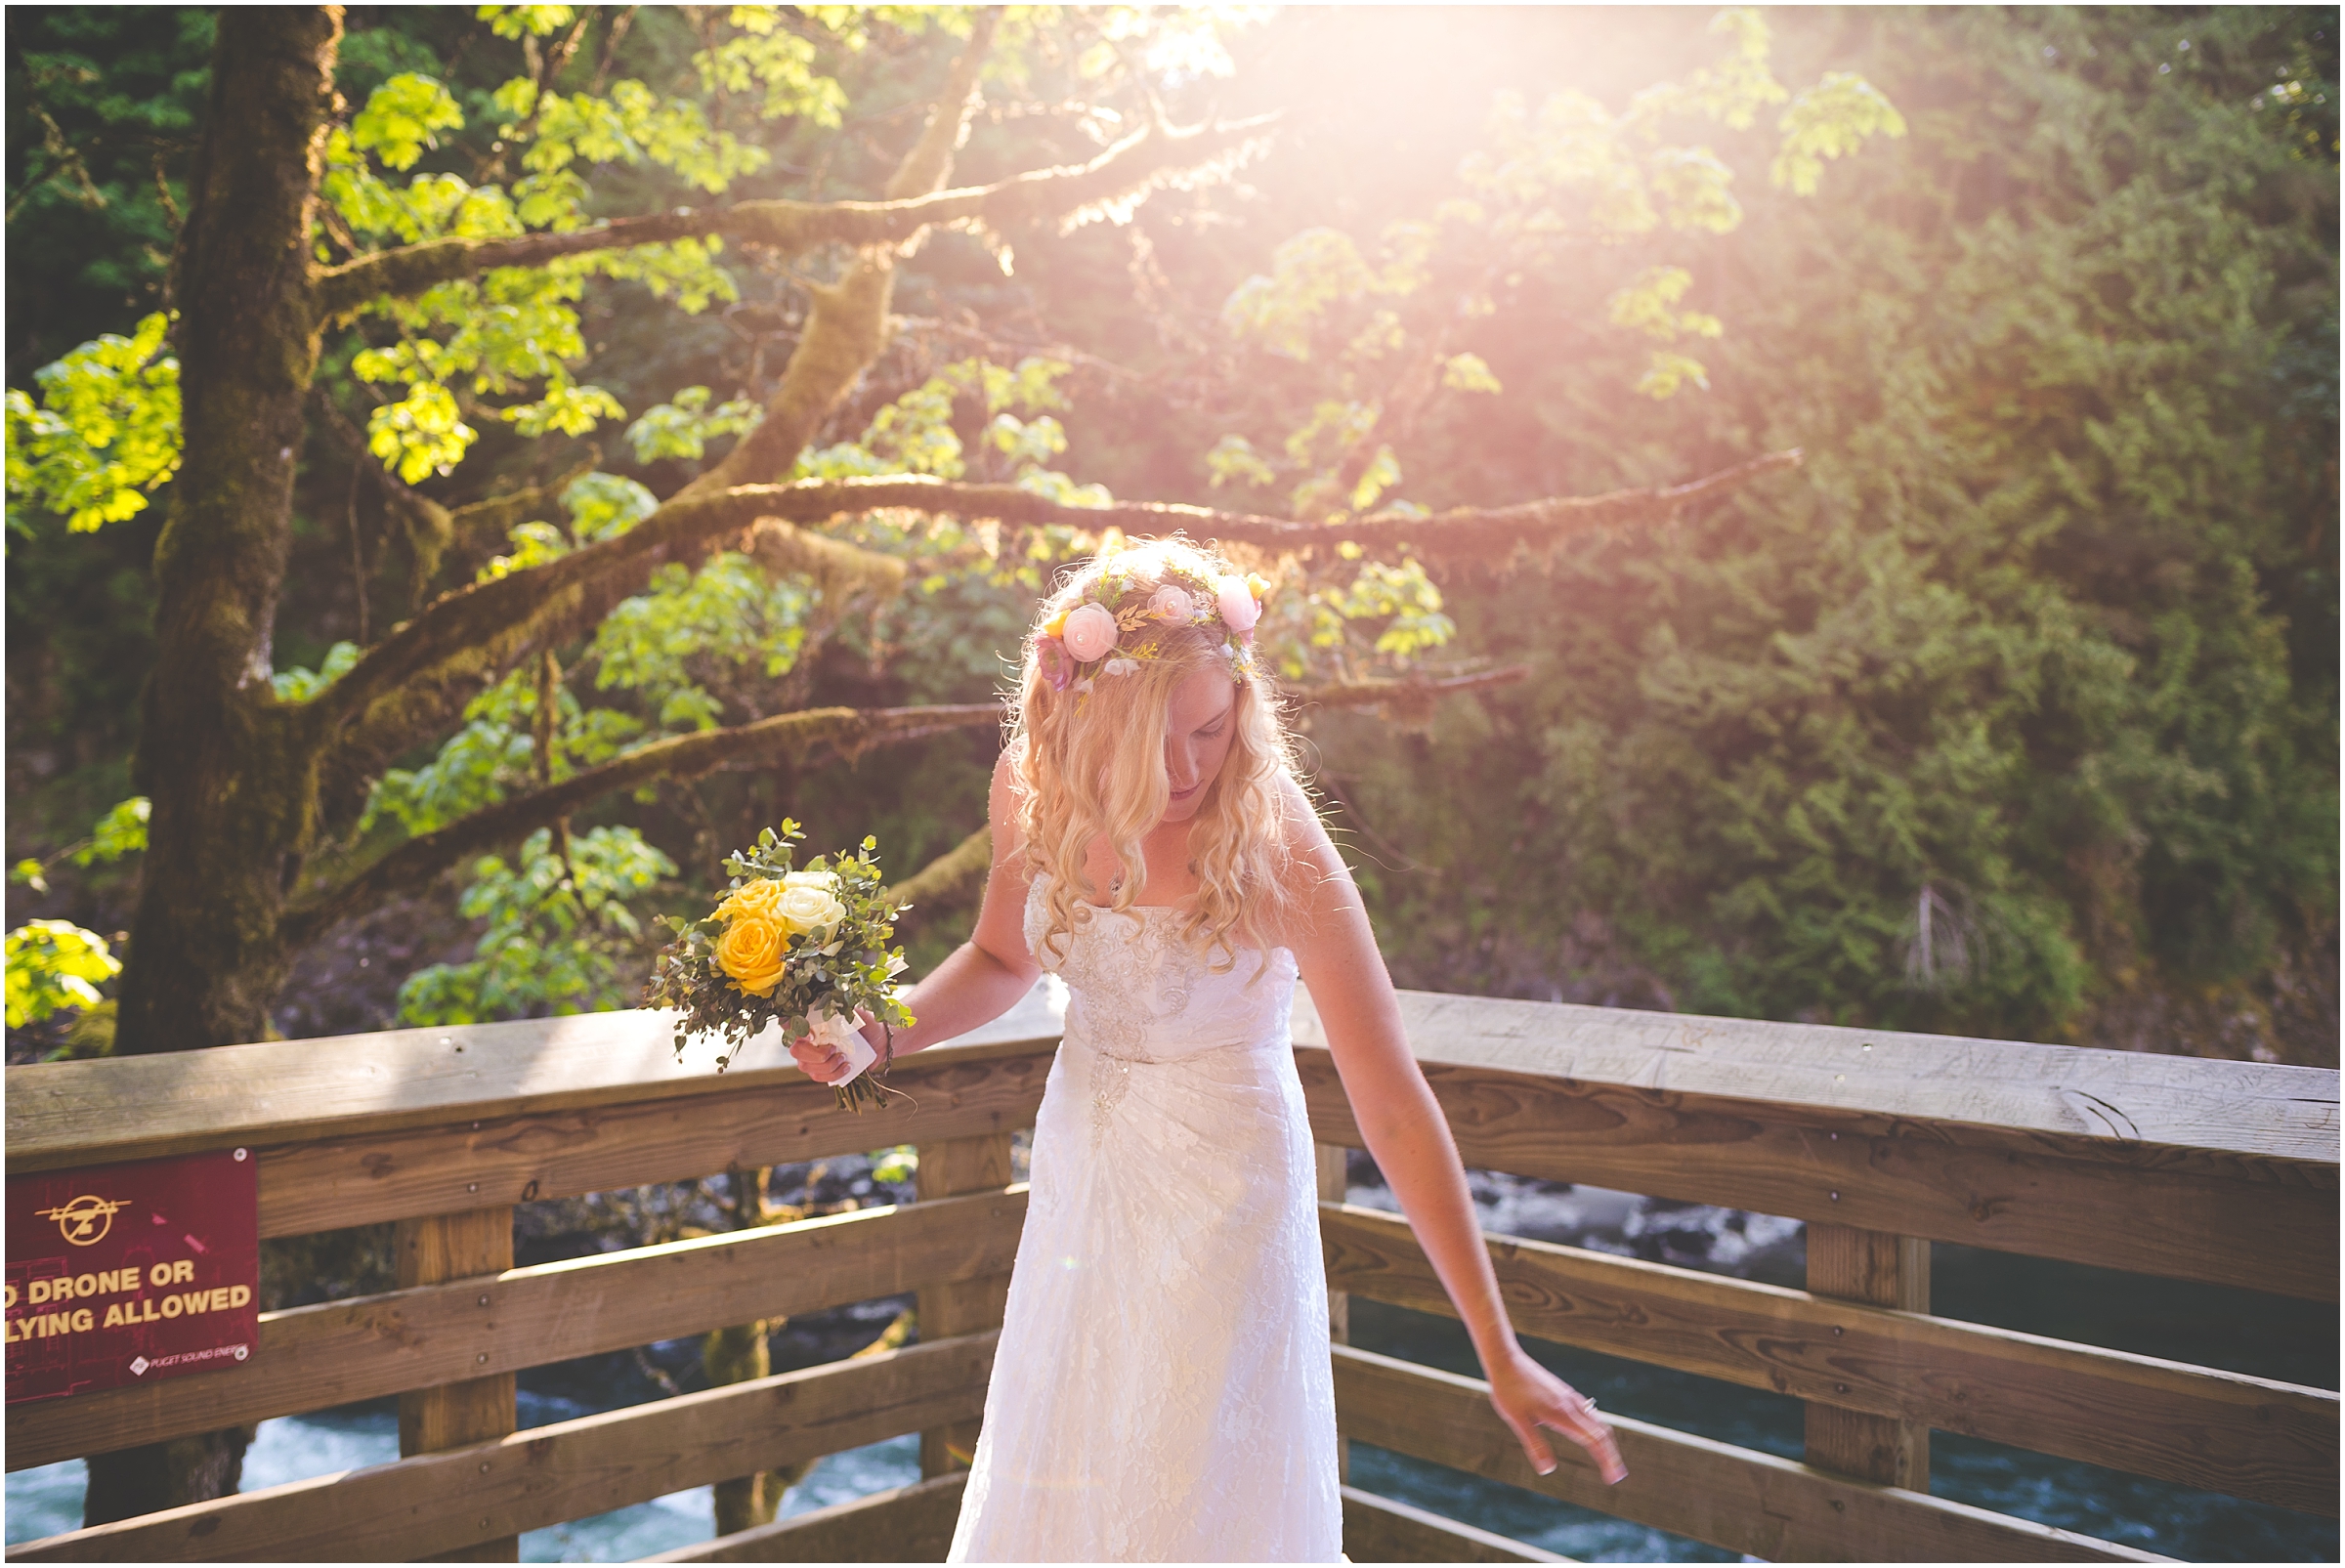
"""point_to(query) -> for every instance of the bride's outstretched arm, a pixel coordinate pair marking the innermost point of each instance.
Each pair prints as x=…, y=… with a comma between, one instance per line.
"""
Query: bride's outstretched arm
x=1404, y=1129
x=984, y=977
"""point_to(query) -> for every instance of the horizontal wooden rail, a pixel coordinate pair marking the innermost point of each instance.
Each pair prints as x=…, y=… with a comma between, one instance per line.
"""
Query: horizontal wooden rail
x=441, y=1503
x=339, y=1352
x=354, y=1087
x=2273, y=1442
x=2196, y=1214
x=915, y=1524
x=334, y=1182
x=1735, y=1498
x=2253, y=1109
x=903, y=1524
x=1380, y=1530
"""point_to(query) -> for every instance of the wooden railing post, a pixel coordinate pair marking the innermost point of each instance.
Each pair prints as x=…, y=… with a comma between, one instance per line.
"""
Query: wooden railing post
x=1332, y=1189
x=434, y=1251
x=947, y=1168
x=1879, y=1269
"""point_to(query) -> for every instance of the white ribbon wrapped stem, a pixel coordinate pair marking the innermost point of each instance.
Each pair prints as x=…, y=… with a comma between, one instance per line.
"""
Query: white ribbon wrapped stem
x=829, y=1029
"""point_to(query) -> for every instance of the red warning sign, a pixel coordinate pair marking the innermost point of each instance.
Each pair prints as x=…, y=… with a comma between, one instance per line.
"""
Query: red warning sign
x=126, y=1274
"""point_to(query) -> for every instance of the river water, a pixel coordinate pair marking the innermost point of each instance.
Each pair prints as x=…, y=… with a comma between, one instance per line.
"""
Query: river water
x=2242, y=1331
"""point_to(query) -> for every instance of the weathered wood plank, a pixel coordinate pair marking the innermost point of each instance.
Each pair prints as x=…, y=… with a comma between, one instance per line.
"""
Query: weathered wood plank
x=292, y=1091
x=1733, y=1497
x=1331, y=1163
x=960, y=1306
x=466, y=1252
x=1384, y=1530
x=438, y=1503
x=1879, y=1269
x=339, y=1352
x=903, y=1524
x=334, y=1182
x=2187, y=1213
x=2270, y=1441
x=2243, y=1108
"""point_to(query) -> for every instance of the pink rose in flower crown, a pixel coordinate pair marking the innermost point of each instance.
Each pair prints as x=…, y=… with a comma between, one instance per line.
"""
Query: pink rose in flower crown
x=1171, y=603
x=1239, y=612
x=1090, y=631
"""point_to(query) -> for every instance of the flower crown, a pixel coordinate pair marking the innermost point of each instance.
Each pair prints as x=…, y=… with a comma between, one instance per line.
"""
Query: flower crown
x=1113, y=629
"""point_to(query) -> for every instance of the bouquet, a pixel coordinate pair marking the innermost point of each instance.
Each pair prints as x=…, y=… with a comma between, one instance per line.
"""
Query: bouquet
x=805, y=947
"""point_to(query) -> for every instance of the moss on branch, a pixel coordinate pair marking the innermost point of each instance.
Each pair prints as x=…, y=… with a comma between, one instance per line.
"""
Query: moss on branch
x=1408, y=702
x=1069, y=194
x=414, y=865
x=1489, y=535
x=948, y=875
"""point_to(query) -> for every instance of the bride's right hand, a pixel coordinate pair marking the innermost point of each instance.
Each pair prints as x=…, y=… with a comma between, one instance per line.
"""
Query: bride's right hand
x=825, y=1063
x=819, y=1062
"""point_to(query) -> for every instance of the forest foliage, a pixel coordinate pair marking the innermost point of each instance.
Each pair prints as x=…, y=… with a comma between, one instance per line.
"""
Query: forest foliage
x=2013, y=712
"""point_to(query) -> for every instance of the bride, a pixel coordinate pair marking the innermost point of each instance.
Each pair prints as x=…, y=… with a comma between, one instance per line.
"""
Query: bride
x=1163, y=1389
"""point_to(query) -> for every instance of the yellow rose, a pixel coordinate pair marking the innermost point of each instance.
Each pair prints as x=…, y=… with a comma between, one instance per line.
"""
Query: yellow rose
x=751, y=952
x=751, y=898
x=808, y=906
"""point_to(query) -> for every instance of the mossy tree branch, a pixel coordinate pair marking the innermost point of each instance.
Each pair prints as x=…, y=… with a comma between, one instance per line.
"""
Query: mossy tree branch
x=946, y=876
x=1371, y=693
x=1408, y=702
x=1490, y=533
x=414, y=865
x=1126, y=169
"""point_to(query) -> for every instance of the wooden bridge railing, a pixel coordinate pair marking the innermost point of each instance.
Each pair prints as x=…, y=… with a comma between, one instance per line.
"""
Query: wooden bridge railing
x=2205, y=1170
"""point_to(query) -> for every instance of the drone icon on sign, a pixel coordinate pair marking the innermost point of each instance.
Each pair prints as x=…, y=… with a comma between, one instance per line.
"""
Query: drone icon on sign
x=85, y=1220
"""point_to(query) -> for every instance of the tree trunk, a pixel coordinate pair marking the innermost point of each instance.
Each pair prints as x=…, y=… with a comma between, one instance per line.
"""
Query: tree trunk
x=229, y=770
x=739, y=1355
x=225, y=835
x=132, y=1481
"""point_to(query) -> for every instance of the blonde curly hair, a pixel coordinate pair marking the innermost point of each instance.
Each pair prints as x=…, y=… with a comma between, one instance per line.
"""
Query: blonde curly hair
x=1091, y=764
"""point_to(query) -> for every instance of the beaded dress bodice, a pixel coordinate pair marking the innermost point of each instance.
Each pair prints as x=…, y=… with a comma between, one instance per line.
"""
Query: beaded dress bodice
x=1139, y=995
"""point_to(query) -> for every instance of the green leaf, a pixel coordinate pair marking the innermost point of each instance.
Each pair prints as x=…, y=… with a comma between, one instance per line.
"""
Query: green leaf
x=299, y=685
x=1830, y=120
x=1465, y=372
x=511, y=22
x=53, y=965
x=1234, y=461
x=105, y=433
x=403, y=113
x=684, y=425
x=121, y=832
x=421, y=434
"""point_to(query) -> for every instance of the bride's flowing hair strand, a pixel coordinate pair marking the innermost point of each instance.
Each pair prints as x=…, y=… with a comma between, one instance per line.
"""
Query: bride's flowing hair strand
x=1091, y=764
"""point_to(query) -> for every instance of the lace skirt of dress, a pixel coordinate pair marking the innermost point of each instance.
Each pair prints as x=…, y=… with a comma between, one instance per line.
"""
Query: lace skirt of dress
x=1163, y=1389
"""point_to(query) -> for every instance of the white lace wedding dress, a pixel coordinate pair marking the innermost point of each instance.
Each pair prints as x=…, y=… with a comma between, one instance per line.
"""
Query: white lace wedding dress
x=1163, y=1389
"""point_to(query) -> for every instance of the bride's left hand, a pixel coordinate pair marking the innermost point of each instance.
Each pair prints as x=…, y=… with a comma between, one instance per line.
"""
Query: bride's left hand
x=1528, y=1396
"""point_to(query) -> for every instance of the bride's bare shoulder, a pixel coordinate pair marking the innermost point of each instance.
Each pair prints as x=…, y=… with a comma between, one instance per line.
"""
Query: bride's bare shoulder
x=1301, y=832
x=1001, y=802
x=1318, y=880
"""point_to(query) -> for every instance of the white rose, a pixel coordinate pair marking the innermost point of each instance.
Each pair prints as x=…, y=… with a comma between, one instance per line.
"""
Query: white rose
x=828, y=881
x=804, y=908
